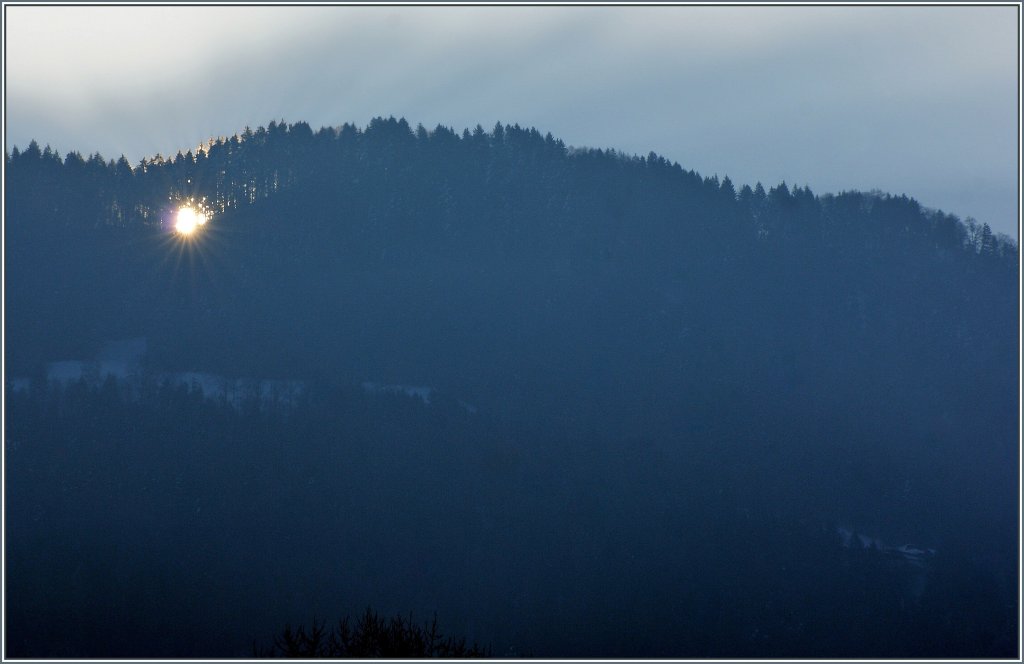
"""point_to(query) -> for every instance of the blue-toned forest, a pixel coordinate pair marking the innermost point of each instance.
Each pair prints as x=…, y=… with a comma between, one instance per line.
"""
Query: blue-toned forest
x=576, y=403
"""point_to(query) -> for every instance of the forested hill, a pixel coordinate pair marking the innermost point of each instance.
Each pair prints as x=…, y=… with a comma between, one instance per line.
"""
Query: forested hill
x=346, y=243
x=678, y=389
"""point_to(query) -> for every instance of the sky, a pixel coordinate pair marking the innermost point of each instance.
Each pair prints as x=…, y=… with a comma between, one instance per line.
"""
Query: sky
x=921, y=100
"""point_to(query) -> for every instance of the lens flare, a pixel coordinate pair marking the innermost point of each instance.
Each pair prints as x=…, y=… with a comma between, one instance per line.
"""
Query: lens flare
x=188, y=220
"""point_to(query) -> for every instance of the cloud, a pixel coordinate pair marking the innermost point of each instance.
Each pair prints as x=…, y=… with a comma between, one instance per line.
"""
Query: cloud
x=909, y=99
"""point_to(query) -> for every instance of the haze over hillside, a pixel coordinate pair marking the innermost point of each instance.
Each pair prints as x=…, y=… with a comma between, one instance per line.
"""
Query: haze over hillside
x=563, y=396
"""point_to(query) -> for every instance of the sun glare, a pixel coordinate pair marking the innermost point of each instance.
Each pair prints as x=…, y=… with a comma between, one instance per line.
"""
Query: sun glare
x=188, y=220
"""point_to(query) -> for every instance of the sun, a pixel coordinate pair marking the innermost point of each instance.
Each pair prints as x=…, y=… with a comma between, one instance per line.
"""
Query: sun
x=188, y=220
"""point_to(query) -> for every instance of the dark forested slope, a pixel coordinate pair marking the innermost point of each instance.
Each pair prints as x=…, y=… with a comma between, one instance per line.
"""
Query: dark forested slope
x=682, y=374
x=347, y=232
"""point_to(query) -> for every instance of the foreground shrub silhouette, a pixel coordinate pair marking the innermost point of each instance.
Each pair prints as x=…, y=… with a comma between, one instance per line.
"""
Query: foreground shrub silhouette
x=372, y=636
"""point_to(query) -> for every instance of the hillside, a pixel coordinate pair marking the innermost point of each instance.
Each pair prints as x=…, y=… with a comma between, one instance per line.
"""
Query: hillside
x=667, y=372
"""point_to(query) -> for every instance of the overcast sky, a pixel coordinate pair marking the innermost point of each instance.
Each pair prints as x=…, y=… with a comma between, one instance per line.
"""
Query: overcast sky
x=915, y=100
